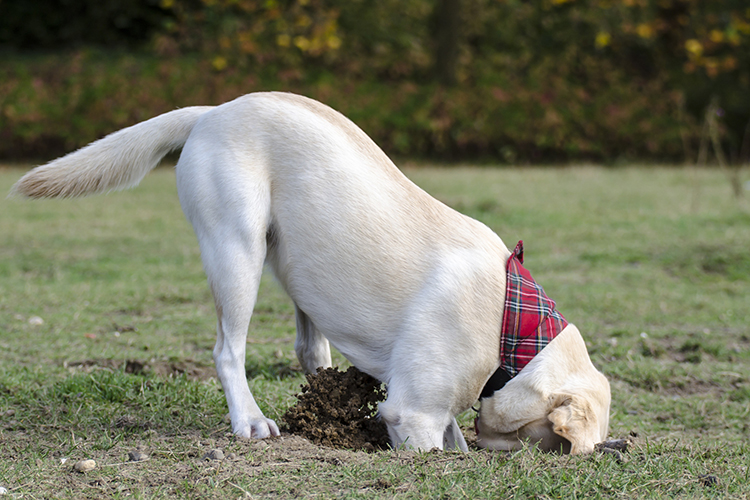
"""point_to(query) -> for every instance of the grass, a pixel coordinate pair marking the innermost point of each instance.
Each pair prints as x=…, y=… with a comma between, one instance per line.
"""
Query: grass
x=652, y=264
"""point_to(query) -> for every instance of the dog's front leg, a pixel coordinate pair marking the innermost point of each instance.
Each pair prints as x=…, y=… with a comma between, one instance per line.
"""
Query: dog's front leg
x=453, y=438
x=419, y=430
x=311, y=347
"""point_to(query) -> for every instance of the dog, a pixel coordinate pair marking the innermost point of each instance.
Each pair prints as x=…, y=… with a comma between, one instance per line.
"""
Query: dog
x=407, y=289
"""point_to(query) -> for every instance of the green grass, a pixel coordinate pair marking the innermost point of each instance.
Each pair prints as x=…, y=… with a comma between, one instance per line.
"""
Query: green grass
x=652, y=264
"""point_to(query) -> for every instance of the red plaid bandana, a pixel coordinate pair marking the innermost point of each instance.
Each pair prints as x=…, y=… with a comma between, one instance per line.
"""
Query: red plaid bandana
x=530, y=320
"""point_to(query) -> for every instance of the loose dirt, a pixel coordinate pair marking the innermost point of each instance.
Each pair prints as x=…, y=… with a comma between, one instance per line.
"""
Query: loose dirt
x=338, y=409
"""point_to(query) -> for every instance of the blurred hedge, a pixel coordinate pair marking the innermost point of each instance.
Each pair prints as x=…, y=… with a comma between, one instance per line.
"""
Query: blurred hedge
x=52, y=104
x=539, y=80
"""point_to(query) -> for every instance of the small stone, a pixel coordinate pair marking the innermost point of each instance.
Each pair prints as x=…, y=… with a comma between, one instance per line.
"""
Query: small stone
x=84, y=466
x=708, y=480
x=10, y=413
x=36, y=321
x=232, y=456
x=614, y=453
x=3, y=491
x=137, y=456
x=615, y=444
x=215, y=454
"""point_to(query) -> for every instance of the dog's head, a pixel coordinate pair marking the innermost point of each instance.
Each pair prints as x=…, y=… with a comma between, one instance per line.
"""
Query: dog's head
x=559, y=401
x=573, y=421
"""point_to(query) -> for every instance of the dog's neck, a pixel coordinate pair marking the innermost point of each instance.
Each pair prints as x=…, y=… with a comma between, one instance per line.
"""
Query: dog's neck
x=496, y=382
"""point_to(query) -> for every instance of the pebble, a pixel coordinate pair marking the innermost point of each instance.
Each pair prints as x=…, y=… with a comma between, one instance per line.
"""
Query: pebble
x=137, y=456
x=36, y=321
x=84, y=466
x=215, y=454
x=615, y=454
x=3, y=491
x=615, y=448
x=708, y=480
x=615, y=444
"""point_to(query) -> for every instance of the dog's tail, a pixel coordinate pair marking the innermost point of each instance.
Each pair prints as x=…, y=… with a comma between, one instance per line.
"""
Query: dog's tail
x=117, y=161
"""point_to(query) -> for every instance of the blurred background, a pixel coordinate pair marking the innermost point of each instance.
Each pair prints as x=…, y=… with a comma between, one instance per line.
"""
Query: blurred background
x=496, y=81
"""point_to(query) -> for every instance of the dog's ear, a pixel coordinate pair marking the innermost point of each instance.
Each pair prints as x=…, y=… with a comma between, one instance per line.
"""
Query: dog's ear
x=574, y=418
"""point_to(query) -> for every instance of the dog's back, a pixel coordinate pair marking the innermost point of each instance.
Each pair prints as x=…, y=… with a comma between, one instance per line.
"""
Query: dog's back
x=351, y=239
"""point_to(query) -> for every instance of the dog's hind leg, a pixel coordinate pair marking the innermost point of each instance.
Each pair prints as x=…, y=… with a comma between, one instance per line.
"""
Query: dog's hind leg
x=311, y=346
x=234, y=276
x=231, y=228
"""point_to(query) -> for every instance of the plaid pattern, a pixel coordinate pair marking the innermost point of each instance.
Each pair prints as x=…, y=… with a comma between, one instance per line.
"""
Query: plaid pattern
x=530, y=320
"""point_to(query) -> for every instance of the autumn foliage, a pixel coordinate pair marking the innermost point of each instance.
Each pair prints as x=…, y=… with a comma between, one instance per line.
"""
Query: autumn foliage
x=540, y=80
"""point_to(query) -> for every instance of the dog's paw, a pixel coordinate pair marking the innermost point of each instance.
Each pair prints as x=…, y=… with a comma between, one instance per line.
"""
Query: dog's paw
x=259, y=428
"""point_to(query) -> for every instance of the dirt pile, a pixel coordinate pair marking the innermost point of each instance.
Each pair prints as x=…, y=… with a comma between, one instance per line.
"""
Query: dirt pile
x=337, y=409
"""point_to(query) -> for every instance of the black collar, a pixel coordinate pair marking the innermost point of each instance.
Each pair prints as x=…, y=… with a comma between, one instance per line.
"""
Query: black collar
x=496, y=382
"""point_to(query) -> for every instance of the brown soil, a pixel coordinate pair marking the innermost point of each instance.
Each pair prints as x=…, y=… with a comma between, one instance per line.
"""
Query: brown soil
x=185, y=466
x=191, y=369
x=338, y=409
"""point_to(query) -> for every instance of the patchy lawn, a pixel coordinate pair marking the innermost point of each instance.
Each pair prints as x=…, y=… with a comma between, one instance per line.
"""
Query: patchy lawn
x=107, y=326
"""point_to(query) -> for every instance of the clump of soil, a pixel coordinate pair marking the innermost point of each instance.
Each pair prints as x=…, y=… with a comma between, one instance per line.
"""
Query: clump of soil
x=338, y=409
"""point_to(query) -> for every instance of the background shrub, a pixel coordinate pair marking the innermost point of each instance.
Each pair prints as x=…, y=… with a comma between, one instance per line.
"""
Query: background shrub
x=534, y=81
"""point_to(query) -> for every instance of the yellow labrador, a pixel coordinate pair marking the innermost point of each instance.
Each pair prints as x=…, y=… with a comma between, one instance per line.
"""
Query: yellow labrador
x=409, y=290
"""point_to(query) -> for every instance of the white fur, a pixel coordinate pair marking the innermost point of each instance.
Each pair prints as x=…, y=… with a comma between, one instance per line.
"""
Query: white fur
x=409, y=290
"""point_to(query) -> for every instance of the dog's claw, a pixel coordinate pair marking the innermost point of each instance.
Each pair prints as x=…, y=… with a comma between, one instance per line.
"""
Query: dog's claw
x=273, y=428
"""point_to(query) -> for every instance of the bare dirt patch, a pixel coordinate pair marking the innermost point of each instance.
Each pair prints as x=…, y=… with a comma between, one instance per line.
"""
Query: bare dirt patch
x=189, y=368
x=193, y=465
x=177, y=466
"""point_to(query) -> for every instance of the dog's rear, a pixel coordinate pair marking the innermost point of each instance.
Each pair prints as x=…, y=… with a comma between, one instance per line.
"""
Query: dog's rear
x=119, y=161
